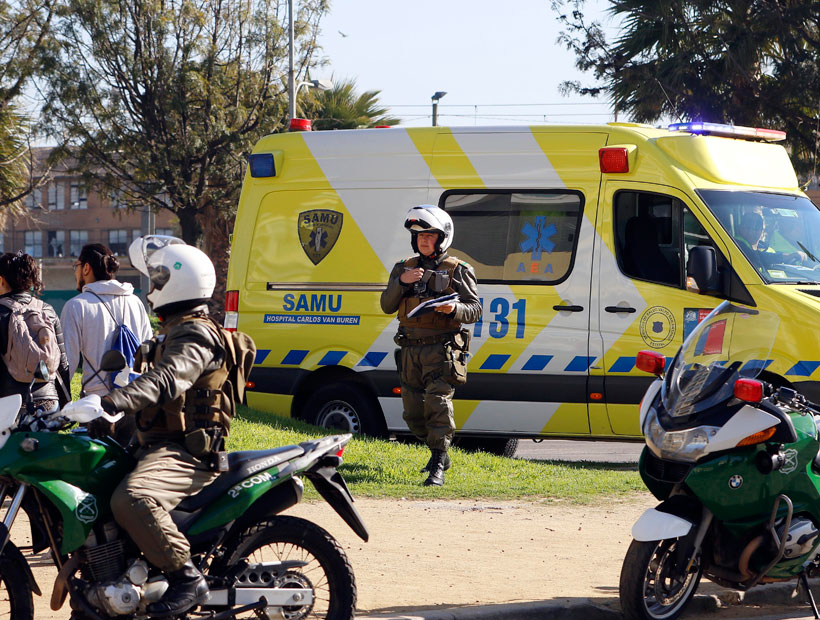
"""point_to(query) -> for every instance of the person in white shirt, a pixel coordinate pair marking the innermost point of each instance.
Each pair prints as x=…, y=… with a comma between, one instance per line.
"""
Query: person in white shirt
x=88, y=326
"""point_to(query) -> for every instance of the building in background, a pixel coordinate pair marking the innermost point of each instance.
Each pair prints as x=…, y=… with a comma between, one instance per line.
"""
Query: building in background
x=62, y=216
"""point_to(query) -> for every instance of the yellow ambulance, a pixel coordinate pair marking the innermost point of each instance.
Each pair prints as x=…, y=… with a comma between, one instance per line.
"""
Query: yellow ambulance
x=589, y=244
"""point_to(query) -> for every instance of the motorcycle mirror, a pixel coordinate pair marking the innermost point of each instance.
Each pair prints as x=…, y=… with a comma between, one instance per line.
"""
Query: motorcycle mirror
x=112, y=361
x=749, y=390
x=651, y=362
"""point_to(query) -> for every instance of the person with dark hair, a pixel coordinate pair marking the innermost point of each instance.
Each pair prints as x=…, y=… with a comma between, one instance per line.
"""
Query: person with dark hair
x=91, y=318
x=19, y=282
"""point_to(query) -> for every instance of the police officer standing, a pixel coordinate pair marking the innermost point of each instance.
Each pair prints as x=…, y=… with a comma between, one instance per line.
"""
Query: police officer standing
x=434, y=347
x=181, y=414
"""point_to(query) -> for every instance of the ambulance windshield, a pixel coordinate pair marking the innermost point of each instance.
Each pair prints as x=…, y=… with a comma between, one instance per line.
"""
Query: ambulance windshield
x=778, y=233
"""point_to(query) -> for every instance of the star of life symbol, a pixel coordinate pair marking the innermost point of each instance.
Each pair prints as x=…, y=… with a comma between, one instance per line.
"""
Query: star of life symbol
x=319, y=229
x=86, y=510
x=538, y=237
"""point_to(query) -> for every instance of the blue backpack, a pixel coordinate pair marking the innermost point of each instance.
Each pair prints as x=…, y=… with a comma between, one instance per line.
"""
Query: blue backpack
x=126, y=342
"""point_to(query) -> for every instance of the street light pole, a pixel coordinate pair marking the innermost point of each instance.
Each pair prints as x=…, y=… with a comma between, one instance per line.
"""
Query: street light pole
x=291, y=79
x=436, y=96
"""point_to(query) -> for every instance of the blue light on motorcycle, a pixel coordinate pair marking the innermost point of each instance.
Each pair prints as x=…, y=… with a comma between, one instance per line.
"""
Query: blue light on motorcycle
x=749, y=390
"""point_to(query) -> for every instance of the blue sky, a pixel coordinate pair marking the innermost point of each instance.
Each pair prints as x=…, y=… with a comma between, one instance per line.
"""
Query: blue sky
x=495, y=60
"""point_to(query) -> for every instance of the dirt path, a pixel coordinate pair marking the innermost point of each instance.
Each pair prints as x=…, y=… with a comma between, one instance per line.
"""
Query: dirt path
x=424, y=554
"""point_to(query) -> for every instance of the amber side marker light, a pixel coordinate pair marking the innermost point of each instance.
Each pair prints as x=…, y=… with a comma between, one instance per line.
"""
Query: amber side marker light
x=757, y=437
x=396, y=390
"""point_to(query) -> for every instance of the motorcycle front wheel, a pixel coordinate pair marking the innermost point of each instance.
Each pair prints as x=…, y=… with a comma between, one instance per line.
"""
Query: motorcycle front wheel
x=16, y=600
x=326, y=571
x=653, y=586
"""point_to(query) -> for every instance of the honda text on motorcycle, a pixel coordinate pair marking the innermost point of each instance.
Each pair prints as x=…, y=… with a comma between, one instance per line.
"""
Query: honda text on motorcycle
x=733, y=460
x=258, y=563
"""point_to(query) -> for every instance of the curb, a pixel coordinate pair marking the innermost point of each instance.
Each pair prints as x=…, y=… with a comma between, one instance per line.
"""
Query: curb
x=769, y=595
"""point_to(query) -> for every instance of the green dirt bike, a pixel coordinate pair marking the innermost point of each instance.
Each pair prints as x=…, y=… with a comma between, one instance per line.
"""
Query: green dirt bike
x=258, y=563
x=735, y=463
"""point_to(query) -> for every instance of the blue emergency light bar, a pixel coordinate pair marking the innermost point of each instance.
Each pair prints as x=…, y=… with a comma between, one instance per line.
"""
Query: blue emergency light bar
x=730, y=131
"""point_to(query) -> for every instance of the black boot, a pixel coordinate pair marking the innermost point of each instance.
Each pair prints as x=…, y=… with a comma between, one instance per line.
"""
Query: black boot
x=447, y=463
x=186, y=589
x=436, y=477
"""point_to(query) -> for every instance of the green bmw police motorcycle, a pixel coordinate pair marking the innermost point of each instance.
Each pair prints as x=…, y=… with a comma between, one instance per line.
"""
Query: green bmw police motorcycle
x=258, y=563
x=735, y=463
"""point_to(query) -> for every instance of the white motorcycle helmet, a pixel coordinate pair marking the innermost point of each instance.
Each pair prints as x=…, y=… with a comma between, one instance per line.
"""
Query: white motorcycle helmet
x=430, y=218
x=179, y=273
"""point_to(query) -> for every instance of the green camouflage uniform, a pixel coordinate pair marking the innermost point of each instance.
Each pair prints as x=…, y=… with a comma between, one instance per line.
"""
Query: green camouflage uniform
x=433, y=347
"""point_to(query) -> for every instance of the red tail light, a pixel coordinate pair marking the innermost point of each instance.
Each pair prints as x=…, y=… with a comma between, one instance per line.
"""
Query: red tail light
x=231, y=311
x=749, y=390
x=614, y=159
x=651, y=362
x=340, y=452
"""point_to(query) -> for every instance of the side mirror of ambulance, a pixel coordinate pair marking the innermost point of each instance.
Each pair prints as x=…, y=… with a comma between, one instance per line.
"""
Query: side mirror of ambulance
x=702, y=268
x=112, y=361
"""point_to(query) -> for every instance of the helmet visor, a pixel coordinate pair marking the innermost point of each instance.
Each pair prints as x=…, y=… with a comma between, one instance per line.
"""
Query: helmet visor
x=142, y=249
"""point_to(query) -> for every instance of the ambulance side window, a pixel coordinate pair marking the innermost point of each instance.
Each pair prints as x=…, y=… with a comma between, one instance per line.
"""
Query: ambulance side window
x=647, y=236
x=516, y=236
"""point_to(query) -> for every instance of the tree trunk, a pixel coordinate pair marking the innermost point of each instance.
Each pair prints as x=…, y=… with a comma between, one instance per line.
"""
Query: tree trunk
x=189, y=223
x=215, y=243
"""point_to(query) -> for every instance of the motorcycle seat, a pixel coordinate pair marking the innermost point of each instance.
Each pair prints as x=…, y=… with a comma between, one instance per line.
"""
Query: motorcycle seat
x=241, y=465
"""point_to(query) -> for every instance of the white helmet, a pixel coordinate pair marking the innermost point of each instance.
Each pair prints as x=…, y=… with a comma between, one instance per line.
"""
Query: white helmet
x=430, y=218
x=178, y=272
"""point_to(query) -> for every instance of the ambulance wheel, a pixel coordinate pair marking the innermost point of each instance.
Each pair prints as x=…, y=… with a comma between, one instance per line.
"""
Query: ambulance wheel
x=500, y=446
x=346, y=407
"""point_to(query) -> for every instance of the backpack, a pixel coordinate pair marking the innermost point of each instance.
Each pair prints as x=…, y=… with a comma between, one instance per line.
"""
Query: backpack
x=126, y=342
x=241, y=353
x=31, y=340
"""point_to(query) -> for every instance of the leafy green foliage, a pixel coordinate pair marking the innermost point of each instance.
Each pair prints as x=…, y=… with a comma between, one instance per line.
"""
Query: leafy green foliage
x=745, y=62
x=377, y=468
x=25, y=26
x=342, y=108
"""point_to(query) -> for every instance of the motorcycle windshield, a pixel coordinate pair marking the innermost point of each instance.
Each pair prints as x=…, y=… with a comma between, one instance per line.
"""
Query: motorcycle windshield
x=732, y=342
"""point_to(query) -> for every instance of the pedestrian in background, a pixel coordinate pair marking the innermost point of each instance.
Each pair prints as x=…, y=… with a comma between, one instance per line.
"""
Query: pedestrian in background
x=19, y=282
x=91, y=318
x=434, y=295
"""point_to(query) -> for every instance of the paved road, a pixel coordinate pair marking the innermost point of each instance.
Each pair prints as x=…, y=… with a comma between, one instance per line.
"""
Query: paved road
x=566, y=450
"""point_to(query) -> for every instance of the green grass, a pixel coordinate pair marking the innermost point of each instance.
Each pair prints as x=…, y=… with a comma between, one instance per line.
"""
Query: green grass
x=390, y=469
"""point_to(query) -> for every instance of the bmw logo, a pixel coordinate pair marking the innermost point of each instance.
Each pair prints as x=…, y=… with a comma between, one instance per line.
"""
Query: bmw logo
x=735, y=482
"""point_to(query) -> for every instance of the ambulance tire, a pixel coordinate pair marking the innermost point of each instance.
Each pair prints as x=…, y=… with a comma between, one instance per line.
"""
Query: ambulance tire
x=500, y=446
x=346, y=407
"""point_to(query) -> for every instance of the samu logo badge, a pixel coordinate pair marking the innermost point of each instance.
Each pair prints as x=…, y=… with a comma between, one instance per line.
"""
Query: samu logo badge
x=735, y=482
x=86, y=510
x=319, y=230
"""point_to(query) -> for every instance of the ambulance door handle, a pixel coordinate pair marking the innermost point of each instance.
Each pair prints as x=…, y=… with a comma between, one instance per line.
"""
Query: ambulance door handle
x=617, y=309
x=568, y=308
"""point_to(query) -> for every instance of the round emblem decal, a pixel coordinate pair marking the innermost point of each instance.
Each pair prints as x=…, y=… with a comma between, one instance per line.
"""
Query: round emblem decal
x=86, y=510
x=657, y=327
x=735, y=482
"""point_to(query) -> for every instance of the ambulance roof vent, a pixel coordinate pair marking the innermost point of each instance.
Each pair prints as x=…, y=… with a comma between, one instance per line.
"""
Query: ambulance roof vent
x=729, y=131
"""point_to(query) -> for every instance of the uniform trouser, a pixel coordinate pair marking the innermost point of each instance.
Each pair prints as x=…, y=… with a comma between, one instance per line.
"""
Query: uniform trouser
x=427, y=395
x=165, y=475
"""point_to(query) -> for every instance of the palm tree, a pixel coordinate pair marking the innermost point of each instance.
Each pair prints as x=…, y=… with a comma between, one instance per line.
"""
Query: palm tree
x=341, y=108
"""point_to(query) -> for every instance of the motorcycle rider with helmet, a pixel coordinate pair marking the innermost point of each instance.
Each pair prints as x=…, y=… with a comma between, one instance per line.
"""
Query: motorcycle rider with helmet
x=434, y=347
x=180, y=418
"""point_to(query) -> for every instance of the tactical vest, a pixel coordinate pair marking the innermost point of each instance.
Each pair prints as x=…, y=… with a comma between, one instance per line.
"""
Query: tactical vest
x=203, y=405
x=430, y=320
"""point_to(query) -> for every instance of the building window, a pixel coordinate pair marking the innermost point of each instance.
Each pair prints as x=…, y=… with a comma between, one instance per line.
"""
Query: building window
x=77, y=239
x=165, y=231
x=118, y=241
x=516, y=236
x=52, y=196
x=56, y=243
x=60, y=197
x=79, y=199
x=33, y=242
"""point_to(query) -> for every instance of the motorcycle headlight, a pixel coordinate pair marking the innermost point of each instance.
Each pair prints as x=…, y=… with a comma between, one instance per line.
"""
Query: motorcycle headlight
x=686, y=445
